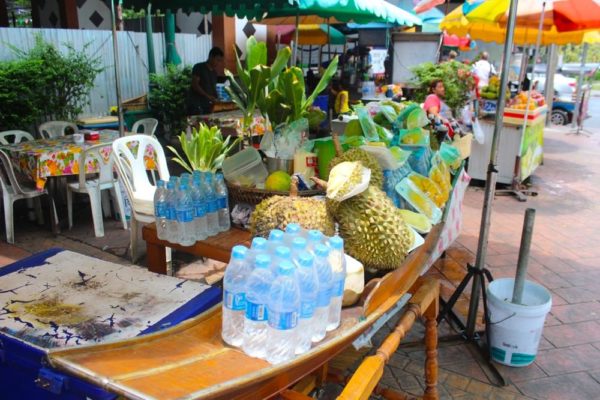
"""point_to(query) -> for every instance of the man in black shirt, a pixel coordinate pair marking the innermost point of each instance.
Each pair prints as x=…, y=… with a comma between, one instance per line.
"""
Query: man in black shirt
x=203, y=90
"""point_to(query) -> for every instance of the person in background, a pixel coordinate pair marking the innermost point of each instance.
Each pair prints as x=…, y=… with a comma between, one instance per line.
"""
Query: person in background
x=434, y=103
x=483, y=69
x=203, y=90
x=452, y=55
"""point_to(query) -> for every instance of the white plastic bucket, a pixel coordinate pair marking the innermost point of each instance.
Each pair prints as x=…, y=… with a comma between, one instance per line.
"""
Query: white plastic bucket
x=515, y=329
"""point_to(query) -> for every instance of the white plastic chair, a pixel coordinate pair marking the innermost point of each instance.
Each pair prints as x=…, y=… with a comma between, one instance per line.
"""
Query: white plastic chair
x=94, y=187
x=13, y=190
x=14, y=137
x=53, y=129
x=148, y=124
x=133, y=175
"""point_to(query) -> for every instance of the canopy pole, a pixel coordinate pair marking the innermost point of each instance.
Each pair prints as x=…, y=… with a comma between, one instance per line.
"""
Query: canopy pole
x=579, y=93
x=328, y=41
x=150, y=41
x=116, y=64
x=490, y=183
x=294, y=61
x=549, y=84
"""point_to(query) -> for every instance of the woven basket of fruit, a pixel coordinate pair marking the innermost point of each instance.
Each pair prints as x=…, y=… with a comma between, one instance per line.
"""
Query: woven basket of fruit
x=253, y=196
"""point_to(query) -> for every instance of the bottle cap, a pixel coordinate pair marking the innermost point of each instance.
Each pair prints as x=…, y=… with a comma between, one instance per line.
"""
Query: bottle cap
x=183, y=185
x=285, y=268
x=276, y=235
x=259, y=243
x=305, y=259
x=298, y=243
x=314, y=235
x=321, y=250
x=160, y=183
x=170, y=185
x=282, y=252
x=262, y=261
x=239, y=252
x=336, y=242
x=292, y=228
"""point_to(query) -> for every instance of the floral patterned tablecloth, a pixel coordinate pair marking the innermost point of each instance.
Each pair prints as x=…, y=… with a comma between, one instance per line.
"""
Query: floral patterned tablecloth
x=40, y=159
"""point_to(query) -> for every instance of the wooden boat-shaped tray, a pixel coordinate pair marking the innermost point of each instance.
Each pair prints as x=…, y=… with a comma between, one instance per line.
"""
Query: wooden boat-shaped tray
x=190, y=360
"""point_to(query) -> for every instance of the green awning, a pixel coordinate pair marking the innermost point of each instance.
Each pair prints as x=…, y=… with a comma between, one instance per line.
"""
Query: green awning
x=359, y=11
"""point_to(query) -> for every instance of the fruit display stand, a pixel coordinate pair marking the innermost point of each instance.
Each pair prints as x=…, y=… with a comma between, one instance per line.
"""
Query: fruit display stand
x=520, y=150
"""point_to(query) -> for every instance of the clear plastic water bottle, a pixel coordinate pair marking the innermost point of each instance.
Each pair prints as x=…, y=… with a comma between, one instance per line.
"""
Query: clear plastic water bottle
x=172, y=225
x=275, y=239
x=283, y=307
x=185, y=215
x=212, y=203
x=234, y=296
x=259, y=246
x=223, y=197
x=309, y=286
x=292, y=230
x=200, y=220
x=257, y=294
x=338, y=270
x=160, y=210
x=314, y=238
x=323, y=269
x=298, y=248
x=280, y=255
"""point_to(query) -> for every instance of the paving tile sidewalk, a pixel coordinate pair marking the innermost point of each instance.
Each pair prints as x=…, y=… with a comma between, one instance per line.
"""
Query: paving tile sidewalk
x=564, y=258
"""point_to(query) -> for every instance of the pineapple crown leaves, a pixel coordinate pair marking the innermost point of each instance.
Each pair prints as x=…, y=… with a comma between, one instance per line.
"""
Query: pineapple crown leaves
x=205, y=150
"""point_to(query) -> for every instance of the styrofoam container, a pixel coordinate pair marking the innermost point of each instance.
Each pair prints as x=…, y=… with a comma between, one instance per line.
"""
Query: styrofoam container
x=245, y=168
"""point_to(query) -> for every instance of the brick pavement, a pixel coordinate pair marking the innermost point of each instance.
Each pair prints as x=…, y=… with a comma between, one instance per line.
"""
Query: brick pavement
x=563, y=258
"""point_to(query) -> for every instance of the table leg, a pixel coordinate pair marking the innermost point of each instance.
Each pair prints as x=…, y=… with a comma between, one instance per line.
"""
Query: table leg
x=431, y=344
x=156, y=258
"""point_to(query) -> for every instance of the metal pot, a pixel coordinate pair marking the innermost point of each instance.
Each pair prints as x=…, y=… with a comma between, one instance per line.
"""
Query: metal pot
x=279, y=164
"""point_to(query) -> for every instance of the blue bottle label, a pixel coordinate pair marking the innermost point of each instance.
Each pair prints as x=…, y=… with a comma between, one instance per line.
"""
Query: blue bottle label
x=234, y=301
x=338, y=288
x=171, y=213
x=283, y=320
x=307, y=308
x=185, y=214
x=324, y=297
x=160, y=210
x=256, y=312
x=223, y=202
x=213, y=205
x=200, y=209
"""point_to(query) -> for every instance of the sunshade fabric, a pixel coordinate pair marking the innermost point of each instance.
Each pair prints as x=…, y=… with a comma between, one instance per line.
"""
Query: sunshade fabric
x=425, y=5
x=359, y=11
x=313, y=35
x=476, y=19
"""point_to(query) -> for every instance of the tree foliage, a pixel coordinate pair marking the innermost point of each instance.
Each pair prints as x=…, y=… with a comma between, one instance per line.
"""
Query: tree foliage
x=456, y=77
x=572, y=53
x=168, y=94
x=45, y=84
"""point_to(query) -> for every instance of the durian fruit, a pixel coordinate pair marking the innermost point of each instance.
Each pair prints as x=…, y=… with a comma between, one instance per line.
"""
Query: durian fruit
x=365, y=159
x=373, y=230
x=277, y=211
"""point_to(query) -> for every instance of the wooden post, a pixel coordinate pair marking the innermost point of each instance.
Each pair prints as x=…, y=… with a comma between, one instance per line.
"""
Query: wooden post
x=68, y=14
x=3, y=13
x=223, y=34
x=431, y=343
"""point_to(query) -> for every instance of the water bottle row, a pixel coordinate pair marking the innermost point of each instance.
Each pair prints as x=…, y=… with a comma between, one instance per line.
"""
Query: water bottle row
x=283, y=294
x=191, y=208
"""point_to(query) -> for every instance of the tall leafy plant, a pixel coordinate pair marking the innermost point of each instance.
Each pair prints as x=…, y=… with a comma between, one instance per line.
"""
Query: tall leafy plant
x=287, y=101
x=167, y=97
x=249, y=89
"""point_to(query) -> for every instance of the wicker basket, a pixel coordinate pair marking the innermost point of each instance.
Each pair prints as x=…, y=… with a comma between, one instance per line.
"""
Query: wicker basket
x=136, y=103
x=252, y=196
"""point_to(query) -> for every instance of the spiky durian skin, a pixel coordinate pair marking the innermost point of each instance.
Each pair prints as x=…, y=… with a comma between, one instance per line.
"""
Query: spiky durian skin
x=278, y=211
x=366, y=159
x=374, y=231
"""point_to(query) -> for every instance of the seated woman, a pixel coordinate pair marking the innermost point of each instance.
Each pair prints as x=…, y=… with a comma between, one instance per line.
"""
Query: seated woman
x=434, y=103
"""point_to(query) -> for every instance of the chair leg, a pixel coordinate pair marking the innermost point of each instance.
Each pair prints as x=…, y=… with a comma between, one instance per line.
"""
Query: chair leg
x=96, y=204
x=54, y=224
x=115, y=193
x=133, y=239
x=70, y=207
x=37, y=204
x=106, y=204
x=8, y=219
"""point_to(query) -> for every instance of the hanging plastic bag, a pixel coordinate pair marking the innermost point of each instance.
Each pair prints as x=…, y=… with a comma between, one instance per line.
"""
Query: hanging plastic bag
x=478, y=132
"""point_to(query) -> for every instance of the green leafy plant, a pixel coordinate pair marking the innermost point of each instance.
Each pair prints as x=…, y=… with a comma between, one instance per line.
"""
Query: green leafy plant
x=287, y=101
x=41, y=84
x=205, y=150
x=457, y=82
x=248, y=91
x=168, y=93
